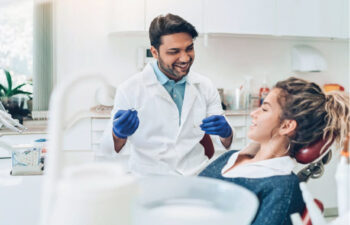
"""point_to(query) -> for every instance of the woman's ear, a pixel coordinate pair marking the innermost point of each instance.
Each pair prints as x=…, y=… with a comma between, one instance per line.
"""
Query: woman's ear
x=154, y=52
x=288, y=127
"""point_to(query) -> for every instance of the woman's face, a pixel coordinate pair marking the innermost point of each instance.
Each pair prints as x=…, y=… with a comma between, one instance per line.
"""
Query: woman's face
x=266, y=119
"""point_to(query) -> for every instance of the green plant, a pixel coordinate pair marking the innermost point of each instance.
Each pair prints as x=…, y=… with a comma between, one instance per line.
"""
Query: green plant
x=9, y=91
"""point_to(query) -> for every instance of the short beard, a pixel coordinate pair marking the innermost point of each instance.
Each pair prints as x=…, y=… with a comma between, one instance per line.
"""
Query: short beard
x=169, y=71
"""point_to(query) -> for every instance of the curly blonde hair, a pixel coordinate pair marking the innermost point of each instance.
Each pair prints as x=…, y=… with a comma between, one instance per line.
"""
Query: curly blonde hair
x=318, y=115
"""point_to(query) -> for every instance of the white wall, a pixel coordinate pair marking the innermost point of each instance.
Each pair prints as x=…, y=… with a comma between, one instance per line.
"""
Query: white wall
x=228, y=60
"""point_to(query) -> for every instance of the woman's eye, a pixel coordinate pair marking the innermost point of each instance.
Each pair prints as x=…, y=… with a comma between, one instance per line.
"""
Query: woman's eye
x=263, y=109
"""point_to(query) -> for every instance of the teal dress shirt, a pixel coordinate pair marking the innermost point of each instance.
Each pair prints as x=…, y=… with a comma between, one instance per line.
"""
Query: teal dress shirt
x=176, y=90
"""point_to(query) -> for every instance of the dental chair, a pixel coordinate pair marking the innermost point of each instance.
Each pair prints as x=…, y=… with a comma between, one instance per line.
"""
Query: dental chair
x=311, y=155
x=316, y=160
x=208, y=145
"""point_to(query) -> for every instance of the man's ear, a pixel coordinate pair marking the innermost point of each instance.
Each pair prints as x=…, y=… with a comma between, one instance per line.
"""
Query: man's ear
x=288, y=127
x=154, y=52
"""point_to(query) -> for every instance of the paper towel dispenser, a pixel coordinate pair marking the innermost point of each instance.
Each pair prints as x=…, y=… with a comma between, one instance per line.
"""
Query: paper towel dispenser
x=307, y=59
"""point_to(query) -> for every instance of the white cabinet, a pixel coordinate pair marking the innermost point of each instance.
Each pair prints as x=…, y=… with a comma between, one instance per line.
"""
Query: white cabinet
x=98, y=125
x=312, y=18
x=78, y=137
x=83, y=135
x=240, y=123
x=334, y=18
x=135, y=16
x=189, y=10
x=127, y=16
x=240, y=16
x=298, y=18
x=304, y=18
x=86, y=134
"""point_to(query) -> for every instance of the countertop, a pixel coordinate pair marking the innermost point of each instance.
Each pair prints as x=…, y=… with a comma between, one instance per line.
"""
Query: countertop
x=33, y=127
x=41, y=126
x=103, y=112
x=97, y=112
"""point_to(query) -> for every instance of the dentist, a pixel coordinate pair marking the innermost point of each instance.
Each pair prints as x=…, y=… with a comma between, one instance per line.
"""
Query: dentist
x=161, y=114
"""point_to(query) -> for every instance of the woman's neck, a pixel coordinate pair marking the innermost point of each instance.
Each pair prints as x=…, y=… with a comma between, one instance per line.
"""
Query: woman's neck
x=271, y=149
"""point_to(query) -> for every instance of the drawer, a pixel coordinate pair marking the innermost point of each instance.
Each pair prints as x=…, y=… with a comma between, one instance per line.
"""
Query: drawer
x=99, y=124
x=96, y=137
x=95, y=147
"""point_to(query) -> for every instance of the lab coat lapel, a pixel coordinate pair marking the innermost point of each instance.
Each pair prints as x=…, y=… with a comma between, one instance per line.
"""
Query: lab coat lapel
x=191, y=93
x=153, y=85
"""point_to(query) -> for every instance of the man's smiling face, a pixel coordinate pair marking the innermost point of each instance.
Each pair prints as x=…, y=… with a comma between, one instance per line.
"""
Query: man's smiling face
x=175, y=55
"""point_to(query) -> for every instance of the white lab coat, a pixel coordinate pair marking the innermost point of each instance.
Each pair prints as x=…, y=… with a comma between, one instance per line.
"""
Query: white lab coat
x=160, y=146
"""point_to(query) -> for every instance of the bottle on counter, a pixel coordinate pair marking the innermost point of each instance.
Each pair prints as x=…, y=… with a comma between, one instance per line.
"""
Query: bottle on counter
x=263, y=92
x=248, y=92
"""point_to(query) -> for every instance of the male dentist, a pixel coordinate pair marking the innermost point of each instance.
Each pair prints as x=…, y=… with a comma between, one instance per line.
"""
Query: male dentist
x=162, y=113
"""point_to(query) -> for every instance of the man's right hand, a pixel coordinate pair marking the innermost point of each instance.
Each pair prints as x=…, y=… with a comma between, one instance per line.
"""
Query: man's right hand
x=125, y=123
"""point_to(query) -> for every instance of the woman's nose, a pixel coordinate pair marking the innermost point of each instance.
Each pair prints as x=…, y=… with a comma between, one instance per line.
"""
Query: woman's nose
x=253, y=113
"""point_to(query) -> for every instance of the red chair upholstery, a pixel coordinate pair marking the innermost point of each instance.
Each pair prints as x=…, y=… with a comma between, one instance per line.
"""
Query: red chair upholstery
x=208, y=146
x=312, y=152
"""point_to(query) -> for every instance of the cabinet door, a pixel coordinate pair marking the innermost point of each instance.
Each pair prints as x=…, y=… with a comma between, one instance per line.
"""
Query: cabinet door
x=312, y=18
x=334, y=18
x=78, y=137
x=240, y=16
x=298, y=18
x=240, y=123
x=189, y=10
x=127, y=16
x=97, y=128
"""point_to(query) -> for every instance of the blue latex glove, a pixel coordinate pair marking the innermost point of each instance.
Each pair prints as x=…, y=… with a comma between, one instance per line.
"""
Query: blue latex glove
x=125, y=123
x=216, y=125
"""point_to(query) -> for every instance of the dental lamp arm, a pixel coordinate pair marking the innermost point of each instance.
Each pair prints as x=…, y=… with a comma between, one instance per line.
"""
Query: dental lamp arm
x=10, y=123
x=54, y=162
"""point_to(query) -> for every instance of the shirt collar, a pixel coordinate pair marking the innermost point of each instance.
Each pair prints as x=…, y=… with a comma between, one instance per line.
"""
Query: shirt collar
x=161, y=77
x=284, y=164
x=265, y=168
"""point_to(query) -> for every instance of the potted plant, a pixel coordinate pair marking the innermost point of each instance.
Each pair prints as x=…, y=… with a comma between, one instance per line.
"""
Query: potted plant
x=10, y=97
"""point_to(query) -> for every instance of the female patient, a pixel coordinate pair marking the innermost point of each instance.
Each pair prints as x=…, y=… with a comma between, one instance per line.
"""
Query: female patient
x=293, y=115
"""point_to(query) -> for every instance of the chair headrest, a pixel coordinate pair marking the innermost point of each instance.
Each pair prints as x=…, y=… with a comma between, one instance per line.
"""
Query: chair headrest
x=312, y=152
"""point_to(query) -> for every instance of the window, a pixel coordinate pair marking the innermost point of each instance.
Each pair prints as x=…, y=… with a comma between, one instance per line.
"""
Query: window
x=16, y=39
x=26, y=47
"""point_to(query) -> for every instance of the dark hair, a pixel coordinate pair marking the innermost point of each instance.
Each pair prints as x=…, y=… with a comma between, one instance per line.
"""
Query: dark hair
x=318, y=115
x=169, y=24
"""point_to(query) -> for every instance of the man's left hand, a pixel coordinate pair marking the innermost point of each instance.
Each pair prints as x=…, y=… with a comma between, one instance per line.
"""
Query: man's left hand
x=216, y=125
